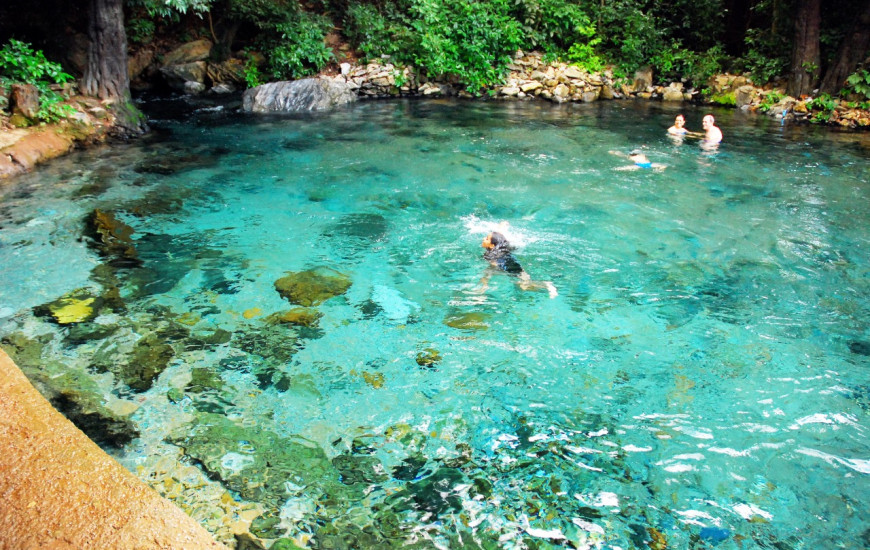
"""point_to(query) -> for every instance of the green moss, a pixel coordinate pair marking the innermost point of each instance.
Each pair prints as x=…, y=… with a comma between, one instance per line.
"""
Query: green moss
x=312, y=287
x=727, y=98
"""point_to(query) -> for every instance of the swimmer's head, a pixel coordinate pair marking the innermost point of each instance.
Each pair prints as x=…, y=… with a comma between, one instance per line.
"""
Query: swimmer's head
x=707, y=121
x=495, y=240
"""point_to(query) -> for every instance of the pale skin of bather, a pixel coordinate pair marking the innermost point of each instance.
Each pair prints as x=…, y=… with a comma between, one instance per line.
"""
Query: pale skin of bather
x=712, y=133
x=679, y=127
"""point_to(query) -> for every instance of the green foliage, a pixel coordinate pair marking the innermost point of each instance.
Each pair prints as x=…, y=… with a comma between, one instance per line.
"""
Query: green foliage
x=675, y=62
x=726, y=98
x=471, y=40
x=252, y=70
x=772, y=98
x=300, y=50
x=170, y=8
x=859, y=82
x=584, y=56
x=553, y=26
x=822, y=108
x=377, y=33
x=140, y=30
x=19, y=63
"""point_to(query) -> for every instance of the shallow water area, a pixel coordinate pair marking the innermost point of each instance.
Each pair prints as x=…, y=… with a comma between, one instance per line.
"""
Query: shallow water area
x=294, y=316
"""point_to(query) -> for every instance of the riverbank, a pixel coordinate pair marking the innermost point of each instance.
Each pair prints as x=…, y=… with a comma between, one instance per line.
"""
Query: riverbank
x=21, y=149
x=531, y=77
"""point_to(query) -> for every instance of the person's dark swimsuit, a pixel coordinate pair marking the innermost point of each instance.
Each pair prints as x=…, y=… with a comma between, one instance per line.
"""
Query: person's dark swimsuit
x=504, y=260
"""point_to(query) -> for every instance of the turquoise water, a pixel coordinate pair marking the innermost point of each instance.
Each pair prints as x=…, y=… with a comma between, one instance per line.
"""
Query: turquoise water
x=701, y=378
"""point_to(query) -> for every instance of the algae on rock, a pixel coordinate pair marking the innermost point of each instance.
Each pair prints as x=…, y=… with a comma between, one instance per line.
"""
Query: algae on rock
x=313, y=286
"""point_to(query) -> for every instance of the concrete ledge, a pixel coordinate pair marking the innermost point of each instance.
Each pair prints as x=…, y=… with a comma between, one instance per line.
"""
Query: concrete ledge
x=59, y=490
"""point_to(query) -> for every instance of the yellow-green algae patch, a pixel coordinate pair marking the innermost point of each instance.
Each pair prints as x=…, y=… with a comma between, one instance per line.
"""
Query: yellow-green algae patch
x=313, y=286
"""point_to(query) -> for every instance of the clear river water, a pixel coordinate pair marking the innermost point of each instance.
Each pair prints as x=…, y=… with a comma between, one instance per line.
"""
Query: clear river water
x=292, y=326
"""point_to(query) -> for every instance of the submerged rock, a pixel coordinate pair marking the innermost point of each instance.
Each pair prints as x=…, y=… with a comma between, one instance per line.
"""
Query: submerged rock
x=72, y=392
x=257, y=463
x=112, y=238
x=277, y=343
x=468, y=321
x=312, y=287
x=204, y=379
x=77, y=306
x=151, y=356
x=429, y=357
x=299, y=316
x=308, y=94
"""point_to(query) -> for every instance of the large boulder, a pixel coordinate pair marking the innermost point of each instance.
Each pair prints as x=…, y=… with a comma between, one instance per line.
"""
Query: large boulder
x=198, y=50
x=312, y=287
x=745, y=95
x=310, y=94
x=186, y=77
x=25, y=100
x=643, y=79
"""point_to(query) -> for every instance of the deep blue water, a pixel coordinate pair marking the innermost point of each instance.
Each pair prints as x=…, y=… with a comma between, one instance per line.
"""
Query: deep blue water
x=701, y=378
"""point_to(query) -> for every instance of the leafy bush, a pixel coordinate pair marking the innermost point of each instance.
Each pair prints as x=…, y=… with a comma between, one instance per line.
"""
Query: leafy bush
x=140, y=30
x=585, y=56
x=377, y=33
x=301, y=50
x=252, y=70
x=19, y=63
x=676, y=62
x=766, y=56
x=772, y=98
x=859, y=82
x=553, y=26
x=823, y=108
x=630, y=35
x=470, y=40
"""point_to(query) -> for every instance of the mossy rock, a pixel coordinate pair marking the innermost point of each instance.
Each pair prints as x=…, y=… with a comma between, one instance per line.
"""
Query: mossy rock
x=72, y=392
x=255, y=462
x=284, y=544
x=312, y=287
x=468, y=321
x=277, y=343
x=151, y=356
x=359, y=469
x=204, y=379
x=299, y=316
x=86, y=332
x=429, y=357
x=77, y=306
x=25, y=351
x=112, y=237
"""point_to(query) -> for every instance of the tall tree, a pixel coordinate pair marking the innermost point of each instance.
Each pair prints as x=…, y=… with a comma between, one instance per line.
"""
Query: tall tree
x=852, y=51
x=806, y=57
x=105, y=75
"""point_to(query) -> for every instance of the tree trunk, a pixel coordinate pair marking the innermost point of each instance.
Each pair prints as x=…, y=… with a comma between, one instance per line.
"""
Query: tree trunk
x=852, y=50
x=805, y=58
x=105, y=75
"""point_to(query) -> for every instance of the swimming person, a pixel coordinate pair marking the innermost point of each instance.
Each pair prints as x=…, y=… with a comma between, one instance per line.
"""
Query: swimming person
x=499, y=254
x=640, y=160
x=678, y=129
x=712, y=134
